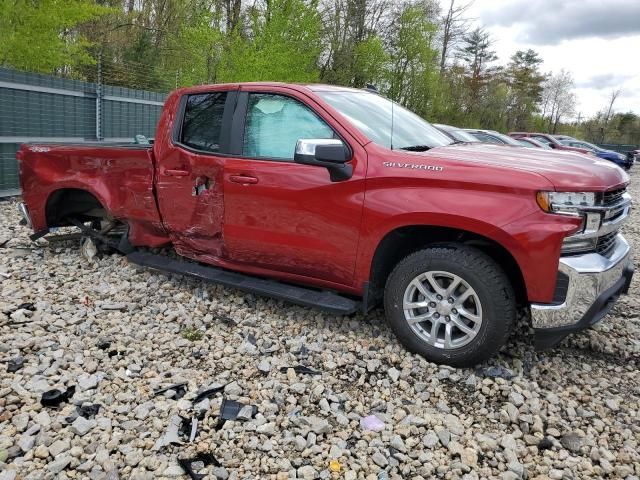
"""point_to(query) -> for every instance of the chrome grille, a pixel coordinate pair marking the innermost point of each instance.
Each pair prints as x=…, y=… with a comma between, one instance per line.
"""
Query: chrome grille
x=606, y=243
x=612, y=196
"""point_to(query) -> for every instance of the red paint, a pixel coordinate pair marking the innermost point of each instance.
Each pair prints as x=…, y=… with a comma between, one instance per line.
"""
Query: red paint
x=289, y=221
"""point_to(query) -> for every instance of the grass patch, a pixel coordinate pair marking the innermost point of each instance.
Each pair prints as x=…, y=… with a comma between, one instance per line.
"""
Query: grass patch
x=191, y=334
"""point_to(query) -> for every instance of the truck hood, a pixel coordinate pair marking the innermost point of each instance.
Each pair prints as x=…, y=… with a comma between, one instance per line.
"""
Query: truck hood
x=565, y=170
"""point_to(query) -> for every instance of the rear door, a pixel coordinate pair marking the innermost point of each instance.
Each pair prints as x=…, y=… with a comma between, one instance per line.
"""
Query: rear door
x=190, y=173
x=280, y=215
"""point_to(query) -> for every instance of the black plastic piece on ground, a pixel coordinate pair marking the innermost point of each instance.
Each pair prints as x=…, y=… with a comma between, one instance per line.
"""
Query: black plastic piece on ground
x=15, y=364
x=545, y=444
x=207, y=393
x=326, y=301
x=88, y=411
x=179, y=388
x=550, y=337
x=230, y=409
x=495, y=371
x=205, y=458
x=35, y=236
x=301, y=369
x=53, y=398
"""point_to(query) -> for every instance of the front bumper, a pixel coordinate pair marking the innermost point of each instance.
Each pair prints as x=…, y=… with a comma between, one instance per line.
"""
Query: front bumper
x=594, y=283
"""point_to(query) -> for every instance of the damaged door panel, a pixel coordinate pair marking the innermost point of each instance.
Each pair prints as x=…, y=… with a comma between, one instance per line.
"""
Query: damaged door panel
x=189, y=177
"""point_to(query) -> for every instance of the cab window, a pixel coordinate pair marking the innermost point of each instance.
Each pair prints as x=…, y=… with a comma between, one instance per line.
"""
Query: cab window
x=202, y=123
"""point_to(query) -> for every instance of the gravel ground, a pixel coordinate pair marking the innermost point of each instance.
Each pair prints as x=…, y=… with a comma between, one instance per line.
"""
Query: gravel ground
x=117, y=333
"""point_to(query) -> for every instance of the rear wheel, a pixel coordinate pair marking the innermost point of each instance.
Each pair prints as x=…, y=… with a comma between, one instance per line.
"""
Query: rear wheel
x=452, y=305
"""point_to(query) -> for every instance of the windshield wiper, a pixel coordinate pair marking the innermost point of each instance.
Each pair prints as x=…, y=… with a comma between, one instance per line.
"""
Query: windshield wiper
x=416, y=148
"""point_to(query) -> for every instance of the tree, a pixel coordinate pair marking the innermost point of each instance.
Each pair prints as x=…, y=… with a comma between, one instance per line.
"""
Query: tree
x=613, y=96
x=525, y=81
x=454, y=26
x=42, y=35
x=558, y=98
x=476, y=54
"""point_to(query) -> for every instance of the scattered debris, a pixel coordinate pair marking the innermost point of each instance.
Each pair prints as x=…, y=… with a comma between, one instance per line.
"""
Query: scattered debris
x=301, y=369
x=372, y=423
x=208, y=393
x=88, y=411
x=334, y=466
x=88, y=249
x=179, y=388
x=252, y=340
x=5, y=275
x=545, y=444
x=103, y=344
x=171, y=435
x=232, y=410
x=197, y=463
x=3, y=243
x=15, y=364
x=188, y=427
x=53, y=398
x=304, y=351
x=495, y=371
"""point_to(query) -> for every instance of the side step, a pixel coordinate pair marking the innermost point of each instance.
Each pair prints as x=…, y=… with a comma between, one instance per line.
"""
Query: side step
x=322, y=300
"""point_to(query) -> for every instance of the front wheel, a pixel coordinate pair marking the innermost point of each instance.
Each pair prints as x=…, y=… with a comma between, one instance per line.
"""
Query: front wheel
x=452, y=305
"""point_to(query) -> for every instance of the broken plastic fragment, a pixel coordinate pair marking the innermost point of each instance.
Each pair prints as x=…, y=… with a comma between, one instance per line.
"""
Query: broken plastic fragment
x=179, y=388
x=53, y=398
x=372, y=423
x=334, y=465
x=170, y=436
x=208, y=392
x=232, y=410
x=301, y=369
x=15, y=364
x=190, y=464
x=88, y=411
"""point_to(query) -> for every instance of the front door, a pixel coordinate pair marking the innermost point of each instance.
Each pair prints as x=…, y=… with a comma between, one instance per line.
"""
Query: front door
x=190, y=174
x=284, y=216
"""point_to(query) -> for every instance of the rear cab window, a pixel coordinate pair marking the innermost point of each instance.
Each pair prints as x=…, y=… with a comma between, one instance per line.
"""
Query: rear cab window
x=202, y=121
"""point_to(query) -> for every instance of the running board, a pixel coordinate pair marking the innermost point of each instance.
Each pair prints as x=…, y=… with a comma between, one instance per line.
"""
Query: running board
x=322, y=300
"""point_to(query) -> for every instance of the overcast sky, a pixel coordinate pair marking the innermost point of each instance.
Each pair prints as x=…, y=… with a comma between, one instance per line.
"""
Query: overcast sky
x=598, y=41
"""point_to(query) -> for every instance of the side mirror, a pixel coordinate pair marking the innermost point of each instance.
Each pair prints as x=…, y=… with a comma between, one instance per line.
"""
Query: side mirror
x=329, y=153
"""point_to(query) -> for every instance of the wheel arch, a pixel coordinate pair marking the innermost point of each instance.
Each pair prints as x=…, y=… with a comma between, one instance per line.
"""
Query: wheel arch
x=404, y=240
x=78, y=202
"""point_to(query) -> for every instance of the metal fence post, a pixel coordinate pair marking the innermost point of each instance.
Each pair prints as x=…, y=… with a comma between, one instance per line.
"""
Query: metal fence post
x=99, y=100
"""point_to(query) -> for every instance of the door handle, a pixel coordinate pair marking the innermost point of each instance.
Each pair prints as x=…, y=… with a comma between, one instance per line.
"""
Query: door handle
x=176, y=173
x=244, y=179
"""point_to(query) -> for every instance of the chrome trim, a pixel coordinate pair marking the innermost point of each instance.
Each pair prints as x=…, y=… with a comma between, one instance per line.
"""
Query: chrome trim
x=22, y=208
x=589, y=275
x=307, y=146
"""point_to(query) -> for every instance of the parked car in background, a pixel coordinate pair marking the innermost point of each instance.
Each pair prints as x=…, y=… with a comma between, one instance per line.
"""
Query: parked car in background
x=564, y=137
x=455, y=133
x=619, y=159
x=533, y=143
x=491, y=136
x=549, y=140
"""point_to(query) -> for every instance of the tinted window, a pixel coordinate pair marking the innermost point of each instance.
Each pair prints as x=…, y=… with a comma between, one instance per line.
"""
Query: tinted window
x=202, y=122
x=542, y=139
x=483, y=137
x=275, y=123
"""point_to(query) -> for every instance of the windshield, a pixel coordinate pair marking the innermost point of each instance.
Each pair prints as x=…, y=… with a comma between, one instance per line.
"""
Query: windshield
x=461, y=135
x=371, y=114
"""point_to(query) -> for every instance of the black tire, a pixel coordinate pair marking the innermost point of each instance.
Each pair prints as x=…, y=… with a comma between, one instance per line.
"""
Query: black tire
x=483, y=274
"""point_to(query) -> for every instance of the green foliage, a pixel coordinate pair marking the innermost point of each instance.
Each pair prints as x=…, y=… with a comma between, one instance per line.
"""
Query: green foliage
x=283, y=44
x=40, y=35
x=397, y=46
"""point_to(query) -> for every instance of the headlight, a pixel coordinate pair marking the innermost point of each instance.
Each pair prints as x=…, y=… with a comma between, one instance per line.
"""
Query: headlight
x=565, y=203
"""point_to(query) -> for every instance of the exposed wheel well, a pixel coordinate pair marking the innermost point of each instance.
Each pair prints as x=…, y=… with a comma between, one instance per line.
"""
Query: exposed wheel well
x=403, y=241
x=74, y=202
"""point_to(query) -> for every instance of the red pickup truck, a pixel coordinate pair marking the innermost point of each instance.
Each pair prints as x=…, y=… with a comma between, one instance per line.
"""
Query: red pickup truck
x=335, y=198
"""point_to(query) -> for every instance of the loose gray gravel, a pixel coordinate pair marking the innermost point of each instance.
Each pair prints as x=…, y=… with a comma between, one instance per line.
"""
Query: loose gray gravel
x=117, y=333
